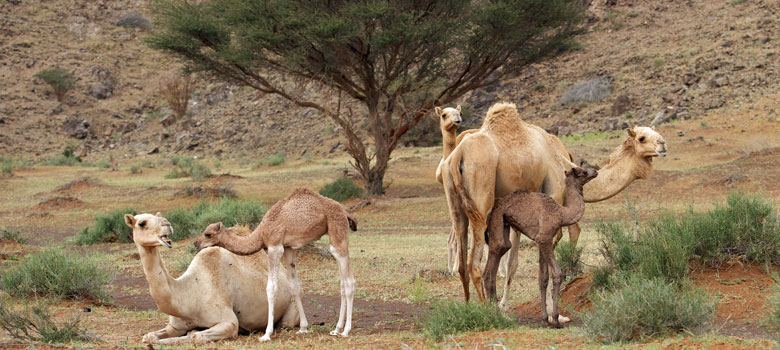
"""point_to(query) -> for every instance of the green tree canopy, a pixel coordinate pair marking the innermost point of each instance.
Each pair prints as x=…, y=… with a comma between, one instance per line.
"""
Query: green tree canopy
x=382, y=61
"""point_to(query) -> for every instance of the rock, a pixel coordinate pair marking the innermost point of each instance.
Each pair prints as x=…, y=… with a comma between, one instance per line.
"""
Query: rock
x=613, y=123
x=228, y=132
x=192, y=146
x=168, y=120
x=76, y=128
x=128, y=127
x=117, y=116
x=104, y=87
x=154, y=150
x=31, y=63
x=713, y=103
x=304, y=151
x=680, y=133
x=102, y=92
x=622, y=105
x=560, y=128
x=2, y=120
x=181, y=136
x=134, y=20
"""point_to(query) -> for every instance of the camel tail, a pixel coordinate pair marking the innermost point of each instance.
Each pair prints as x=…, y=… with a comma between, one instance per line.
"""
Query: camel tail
x=352, y=223
x=456, y=158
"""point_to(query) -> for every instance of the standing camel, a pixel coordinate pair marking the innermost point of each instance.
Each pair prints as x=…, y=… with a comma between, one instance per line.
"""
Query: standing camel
x=539, y=217
x=291, y=223
x=631, y=160
x=504, y=155
x=217, y=292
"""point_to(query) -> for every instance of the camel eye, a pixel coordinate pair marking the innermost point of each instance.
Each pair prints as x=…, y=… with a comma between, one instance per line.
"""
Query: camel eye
x=443, y=115
x=642, y=139
x=142, y=224
x=208, y=235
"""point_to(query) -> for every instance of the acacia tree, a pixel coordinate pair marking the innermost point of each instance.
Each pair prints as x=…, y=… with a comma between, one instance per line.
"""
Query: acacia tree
x=380, y=63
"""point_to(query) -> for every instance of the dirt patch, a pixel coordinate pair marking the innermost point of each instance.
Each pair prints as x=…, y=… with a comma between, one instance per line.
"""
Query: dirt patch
x=60, y=202
x=81, y=184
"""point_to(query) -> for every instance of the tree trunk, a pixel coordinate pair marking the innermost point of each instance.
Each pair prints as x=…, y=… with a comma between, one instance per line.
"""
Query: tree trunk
x=375, y=184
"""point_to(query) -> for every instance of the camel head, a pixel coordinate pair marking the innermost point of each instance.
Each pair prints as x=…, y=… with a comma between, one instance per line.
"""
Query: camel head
x=449, y=118
x=646, y=142
x=210, y=236
x=580, y=176
x=150, y=230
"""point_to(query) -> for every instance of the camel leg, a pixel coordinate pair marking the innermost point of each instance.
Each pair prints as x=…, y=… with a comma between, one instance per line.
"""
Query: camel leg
x=543, y=278
x=274, y=259
x=503, y=266
x=452, y=252
x=222, y=330
x=574, y=233
x=557, y=278
x=498, y=245
x=289, y=257
x=176, y=327
x=475, y=259
x=511, y=260
x=347, y=285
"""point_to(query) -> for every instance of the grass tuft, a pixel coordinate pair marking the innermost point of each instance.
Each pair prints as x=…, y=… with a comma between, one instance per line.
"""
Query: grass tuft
x=450, y=317
x=190, y=222
x=273, y=160
x=570, y=259
x=107, y=228
x=35, y=324
x=57, y=273
x=12, y=235
x=342, y=189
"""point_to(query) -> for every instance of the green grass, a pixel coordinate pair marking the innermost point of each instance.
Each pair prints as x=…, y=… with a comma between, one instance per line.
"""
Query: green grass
x=57, y=273
x=342, y=189
x=12, y=235
x=188, y=167
x=107, y=228
x=67, y=158
x=273, y=160
x=658, y=62
x=773, y=319
x=135, y=168
x=35, y=324
x=638, y=308
x=451, y=317
x=7, y=168
x=191, y=222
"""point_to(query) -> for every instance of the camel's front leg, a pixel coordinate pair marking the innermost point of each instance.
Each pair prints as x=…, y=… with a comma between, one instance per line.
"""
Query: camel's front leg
x=543, y=278
x=347, y=284
x=274, y=259
x=511, y=259
x=452, y=252
x=289, y=258
x=176, y=327
x=222, y=330
x=498, y=244
x=574, y=233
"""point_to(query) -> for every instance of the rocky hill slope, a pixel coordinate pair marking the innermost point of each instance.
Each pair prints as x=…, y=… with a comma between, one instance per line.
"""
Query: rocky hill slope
x=640, y=62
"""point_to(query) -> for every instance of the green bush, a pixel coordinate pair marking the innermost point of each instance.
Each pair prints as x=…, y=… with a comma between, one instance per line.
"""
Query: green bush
x=569, y=259
x=638, y=308
x=60, y=80
x=342, y=189
x=35, y=324
x=12, y=235
x=450, y=317
x=188, y=167
x=199, y=171
x=107, y=228
x=7, y=168
x=274, y=159
x=57, y=273
x=67, y=158
x=135, y=168
x=187, y=223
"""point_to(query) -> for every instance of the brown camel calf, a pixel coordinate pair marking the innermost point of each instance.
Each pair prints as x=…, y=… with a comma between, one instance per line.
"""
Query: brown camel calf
x=539, y=217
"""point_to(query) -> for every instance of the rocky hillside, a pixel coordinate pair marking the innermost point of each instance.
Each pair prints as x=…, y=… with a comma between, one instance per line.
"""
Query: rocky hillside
x=640, y=62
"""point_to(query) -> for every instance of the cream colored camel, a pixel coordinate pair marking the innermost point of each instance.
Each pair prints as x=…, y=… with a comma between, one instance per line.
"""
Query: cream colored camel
x=449, y=122
x=302, y=217
x=505, y=155
x=632, y=160
x=217, y=292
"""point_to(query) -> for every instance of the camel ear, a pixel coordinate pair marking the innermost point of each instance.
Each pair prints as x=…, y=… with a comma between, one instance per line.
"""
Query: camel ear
x=158, y=214
x=458, y=108
x=630, y=132
x=568, y=172
x=437, y=110
x=220, y=226
x=129, y=220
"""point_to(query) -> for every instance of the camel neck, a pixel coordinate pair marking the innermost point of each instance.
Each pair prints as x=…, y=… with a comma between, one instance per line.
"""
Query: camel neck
x=574, y=205
x=243, y=245
x=615, y=177
x=448, y=140
x=161, y=285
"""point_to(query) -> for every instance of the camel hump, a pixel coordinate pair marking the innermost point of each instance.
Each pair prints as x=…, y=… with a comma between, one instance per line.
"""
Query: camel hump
x=504, y=114
x=352, y=223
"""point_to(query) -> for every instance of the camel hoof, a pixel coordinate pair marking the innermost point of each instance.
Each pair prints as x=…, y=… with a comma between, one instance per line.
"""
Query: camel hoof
x=303, y=331
x=265, y=338
x=563, y=319
x=150, y=338
x=335, y=332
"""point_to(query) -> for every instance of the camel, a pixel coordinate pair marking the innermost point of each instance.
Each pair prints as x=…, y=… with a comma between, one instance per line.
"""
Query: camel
x=539, y=217
x=216, y=292
x=449, y=122
x=504, y=155
x=631, y=160
x=302, y=217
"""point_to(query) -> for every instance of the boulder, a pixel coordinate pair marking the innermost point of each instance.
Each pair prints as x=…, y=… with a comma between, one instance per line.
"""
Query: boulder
x=77, y=128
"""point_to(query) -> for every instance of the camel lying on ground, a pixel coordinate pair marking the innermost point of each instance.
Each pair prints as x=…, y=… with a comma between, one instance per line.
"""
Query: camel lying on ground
x=304, y=216
x=217, y=292
x=539, y=217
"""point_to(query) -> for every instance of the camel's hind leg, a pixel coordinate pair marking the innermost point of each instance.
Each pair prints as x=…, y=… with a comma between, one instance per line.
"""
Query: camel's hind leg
x=176, y=327
x=498, y=245
x=289, y=258
x=475, y=259
x=223, y=330
x=274, y=259
x=511, y=259
x=452, y=252
x=347, y=289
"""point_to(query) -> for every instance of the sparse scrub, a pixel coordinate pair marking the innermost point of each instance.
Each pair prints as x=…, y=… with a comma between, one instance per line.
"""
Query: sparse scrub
x=102, y=164
x=199, y=171
x=57, y=273
x=592, y=90
x=773, y=319
x=187, y=223
x=185, y=167
x=12, y=235
x=570, y=259
x=135, y=168
x=638, y=308
x=60, y=80
x=736, y=2
x=134, y=20
x=35, y=324
x=107, y=228
x=418, y=291
x=7, y=168
x=67, y=158
x=658, y=62
x=274, y=159
x=341, y=190
x=450, y=317
x=176, y=91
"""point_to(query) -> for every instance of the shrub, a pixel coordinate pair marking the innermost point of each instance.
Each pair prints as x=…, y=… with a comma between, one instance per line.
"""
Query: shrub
x=188, y=223
x=176, y=91
x=640, y=307
x=569, y=258
x=57, y=273
x=12, y=235
x=134, y=20
x=188, y=167
x=102, y=164
x=7, y=168
x=67, y=158
x=107, y=228
x=199, y=171
x=658, y=62
x=35, y=324
x=773, y=319
x=450, y=317
x=274, y=159
x=592, y=90
x=342, y=189
x=60, y=80
x=135, y=168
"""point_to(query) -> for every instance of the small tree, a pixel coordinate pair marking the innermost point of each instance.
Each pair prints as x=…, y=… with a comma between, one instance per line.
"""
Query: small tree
x=60, y=80
x=379, y=63
x=177, y=91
